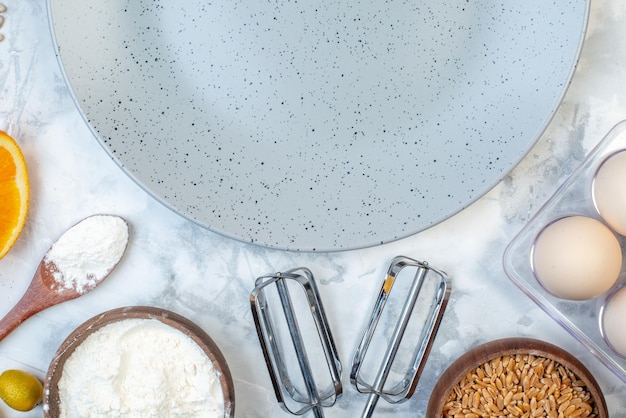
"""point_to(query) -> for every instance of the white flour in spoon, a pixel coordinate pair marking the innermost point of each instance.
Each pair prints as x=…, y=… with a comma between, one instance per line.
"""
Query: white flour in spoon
x=88, y=251
x=140, y=368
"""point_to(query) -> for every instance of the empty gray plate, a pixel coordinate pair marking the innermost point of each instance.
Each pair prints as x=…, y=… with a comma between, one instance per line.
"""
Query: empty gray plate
x=318, y=125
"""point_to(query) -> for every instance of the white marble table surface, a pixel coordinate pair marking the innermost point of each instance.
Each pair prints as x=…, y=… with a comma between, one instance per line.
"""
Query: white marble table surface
x=174, y=264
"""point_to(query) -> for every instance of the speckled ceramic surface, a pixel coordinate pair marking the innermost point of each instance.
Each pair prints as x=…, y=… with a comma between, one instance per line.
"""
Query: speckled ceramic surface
x=318, y=125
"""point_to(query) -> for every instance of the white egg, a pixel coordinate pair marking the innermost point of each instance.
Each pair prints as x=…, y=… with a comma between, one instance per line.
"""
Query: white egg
x=577, y=258
x=613, y=320
x=609, y=191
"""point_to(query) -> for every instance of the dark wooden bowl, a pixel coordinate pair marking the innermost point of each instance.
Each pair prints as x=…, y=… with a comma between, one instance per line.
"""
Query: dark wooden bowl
x=51, y=399
x=510, y=346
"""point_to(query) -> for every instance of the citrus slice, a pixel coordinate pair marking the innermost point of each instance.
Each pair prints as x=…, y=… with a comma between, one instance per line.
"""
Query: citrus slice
x=14, y=192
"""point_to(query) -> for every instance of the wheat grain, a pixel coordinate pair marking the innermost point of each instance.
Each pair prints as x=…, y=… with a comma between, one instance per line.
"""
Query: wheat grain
x=520, y=385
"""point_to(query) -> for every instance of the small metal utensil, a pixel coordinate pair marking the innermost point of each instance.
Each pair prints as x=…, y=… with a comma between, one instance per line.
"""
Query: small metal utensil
x=440, y=288
x=300, y=392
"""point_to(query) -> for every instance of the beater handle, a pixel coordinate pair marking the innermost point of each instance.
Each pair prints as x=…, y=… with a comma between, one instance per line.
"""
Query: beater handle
x=370, y=406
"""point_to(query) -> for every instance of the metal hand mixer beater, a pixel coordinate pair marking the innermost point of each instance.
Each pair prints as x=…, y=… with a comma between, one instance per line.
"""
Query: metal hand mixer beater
x=312, y=387
x=428, y=285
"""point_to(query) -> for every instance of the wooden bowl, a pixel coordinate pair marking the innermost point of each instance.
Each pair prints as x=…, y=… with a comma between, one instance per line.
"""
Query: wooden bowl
x=510, y=346
x=51, y=400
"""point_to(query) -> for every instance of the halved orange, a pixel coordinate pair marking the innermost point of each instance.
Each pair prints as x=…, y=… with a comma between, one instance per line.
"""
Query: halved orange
x=14, y=192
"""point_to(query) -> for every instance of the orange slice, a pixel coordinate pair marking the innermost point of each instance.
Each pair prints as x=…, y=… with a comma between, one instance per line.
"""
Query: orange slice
x=14, y=192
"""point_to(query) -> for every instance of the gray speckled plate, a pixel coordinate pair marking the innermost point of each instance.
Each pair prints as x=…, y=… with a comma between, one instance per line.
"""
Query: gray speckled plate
x=312, y=125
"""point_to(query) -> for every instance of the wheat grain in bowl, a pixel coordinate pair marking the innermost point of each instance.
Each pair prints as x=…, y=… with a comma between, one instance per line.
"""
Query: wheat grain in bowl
x=521, y=385
x=517, y=377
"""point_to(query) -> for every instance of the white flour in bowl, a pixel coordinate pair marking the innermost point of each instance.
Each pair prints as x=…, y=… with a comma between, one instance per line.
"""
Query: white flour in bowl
x=139, y=368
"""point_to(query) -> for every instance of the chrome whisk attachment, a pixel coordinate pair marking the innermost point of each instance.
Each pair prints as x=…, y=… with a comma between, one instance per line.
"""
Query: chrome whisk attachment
x=287, y=339
x=397, y=358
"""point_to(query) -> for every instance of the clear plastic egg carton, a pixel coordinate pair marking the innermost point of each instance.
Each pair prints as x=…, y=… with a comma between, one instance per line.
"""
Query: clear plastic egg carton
x=582, y=319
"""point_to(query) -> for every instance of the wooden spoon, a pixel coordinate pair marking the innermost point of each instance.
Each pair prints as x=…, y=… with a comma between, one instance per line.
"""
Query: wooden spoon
x=49, y=287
